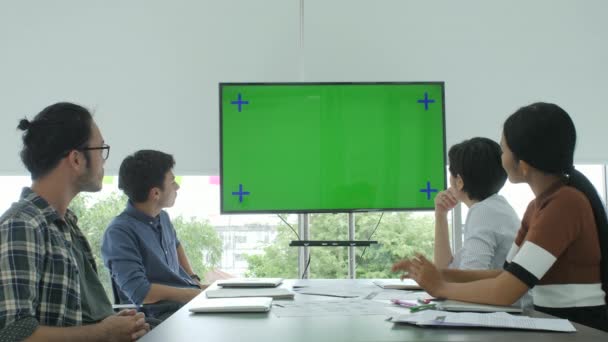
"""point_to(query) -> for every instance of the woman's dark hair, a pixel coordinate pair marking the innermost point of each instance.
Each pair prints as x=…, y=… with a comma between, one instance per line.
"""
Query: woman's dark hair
x=478, y=163
x=54, y=132
x=543, y=135
x=142, y=171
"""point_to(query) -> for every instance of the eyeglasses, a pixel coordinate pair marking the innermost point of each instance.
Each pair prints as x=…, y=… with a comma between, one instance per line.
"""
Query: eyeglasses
x=105, y=150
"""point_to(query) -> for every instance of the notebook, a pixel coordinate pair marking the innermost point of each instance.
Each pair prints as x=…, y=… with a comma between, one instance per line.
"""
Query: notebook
x=397, y=284
x=456, y=305
x=250, y=282
x=250, y=304
x=275, y=292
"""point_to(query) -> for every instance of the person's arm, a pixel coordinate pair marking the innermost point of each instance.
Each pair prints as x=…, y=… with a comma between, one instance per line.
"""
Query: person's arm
x=90, y=333
x=183, y=259
x=442, y=254
x=464, y=276
x=502, y=289
x=160, y=292
x=184, y=262
x=22, y=263
x=24, y=252
x=505, y=289
x=121, y=255
x=125, y=326
x=553, y=231
x=449, y=275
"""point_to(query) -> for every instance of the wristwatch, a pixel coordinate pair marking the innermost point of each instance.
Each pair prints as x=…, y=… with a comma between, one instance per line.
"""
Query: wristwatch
x=195, y=276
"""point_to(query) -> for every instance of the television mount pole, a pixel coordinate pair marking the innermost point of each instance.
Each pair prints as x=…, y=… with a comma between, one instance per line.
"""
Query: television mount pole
x=303, y=251
x=304, y=244
x=351, y=249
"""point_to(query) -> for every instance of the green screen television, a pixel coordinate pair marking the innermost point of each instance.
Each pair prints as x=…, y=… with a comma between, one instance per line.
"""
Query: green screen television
x=331, y=147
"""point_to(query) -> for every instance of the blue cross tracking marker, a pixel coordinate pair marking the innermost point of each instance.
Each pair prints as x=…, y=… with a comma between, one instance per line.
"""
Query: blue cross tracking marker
x=242, y=193
x=239, y=102
x=426, y=101
x=428, y=190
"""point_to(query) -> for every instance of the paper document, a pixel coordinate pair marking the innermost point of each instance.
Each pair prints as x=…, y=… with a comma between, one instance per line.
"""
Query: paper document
x=344, y=307
x=381, y=294
x=327, y=292
x=456, y=305
x=250, y=304
x=397, y=284
x=250, y=282
x=275, y=292
x=485, y=320
x=334, y=291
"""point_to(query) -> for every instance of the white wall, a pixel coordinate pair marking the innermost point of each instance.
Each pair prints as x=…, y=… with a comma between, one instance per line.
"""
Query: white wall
x=495, y=56
x=150, y=69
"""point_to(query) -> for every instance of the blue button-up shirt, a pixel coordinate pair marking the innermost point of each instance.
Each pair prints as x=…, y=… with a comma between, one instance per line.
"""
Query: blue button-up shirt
x=140, y=250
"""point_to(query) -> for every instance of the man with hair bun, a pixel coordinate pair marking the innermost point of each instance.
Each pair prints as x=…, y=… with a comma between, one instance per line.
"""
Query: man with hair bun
x=49, y=287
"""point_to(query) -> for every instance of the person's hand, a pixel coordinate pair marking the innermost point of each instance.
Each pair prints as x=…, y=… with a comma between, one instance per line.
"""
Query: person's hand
x=402, y=266
x=444, y=202
x=127, y=325
x=200, y=285
x=188, y=293
x=426, y=274
x=127, y=312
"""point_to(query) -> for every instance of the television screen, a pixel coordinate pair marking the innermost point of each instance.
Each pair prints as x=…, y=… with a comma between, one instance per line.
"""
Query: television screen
x=331, y=147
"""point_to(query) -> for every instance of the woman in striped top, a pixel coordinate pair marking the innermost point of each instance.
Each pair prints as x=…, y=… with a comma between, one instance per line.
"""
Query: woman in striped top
x=561, y=248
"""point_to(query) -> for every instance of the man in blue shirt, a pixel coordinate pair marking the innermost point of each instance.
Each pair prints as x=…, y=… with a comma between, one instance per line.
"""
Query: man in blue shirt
x=140, y=246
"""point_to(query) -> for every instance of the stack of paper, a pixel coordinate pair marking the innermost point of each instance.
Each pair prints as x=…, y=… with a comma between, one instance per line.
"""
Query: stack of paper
x=276, y=293
x=487, y=320
x=333, y=291
x=320, y=308
x=250, y=282
x=251, y=304
x=397, y=284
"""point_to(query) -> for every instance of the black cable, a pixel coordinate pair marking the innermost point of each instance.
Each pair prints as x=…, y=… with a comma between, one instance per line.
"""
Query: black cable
x=372, y=234
x=307, y=264
x=298, y=236
x=288, y=225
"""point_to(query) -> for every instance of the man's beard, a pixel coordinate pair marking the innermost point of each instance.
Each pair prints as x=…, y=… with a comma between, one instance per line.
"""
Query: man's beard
x=88, y=182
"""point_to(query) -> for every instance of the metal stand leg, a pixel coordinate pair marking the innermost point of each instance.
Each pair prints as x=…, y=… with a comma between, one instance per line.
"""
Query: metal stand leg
x=303, y=252
x=352, y=267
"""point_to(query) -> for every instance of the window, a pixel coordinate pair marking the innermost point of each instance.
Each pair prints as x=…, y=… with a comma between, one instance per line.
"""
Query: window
x=258, y=245
x=399, y=234
x=520, y=195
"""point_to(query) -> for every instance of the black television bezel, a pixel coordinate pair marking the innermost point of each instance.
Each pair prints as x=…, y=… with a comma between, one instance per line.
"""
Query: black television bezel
x=337, y=210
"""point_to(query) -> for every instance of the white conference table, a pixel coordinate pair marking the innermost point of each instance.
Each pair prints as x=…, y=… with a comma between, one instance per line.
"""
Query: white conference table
x=266, y=327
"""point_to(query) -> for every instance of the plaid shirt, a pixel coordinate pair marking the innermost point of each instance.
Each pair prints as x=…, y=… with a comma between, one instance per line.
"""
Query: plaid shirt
x=38, y=269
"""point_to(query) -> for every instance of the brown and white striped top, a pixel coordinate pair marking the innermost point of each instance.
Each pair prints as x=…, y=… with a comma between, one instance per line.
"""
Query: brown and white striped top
x=557, y=250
